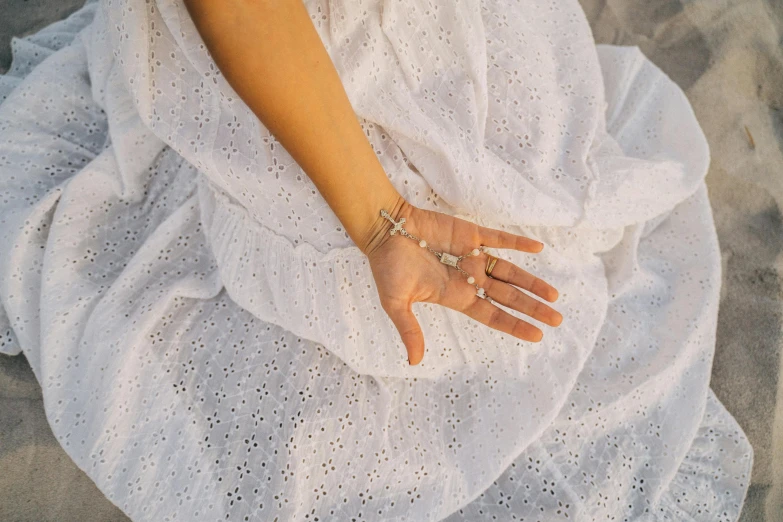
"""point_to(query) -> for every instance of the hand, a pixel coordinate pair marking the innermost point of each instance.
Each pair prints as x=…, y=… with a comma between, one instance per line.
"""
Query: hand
x=406, y=273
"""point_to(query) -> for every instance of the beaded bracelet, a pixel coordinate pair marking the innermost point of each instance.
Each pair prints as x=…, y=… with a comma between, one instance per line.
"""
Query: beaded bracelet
x=444, y=257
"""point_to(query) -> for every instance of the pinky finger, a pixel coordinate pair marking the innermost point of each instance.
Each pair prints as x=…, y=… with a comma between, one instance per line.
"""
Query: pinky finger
x=485, y=312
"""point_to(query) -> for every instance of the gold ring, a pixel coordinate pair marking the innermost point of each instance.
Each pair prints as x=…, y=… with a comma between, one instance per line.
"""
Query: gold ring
x=491, y=260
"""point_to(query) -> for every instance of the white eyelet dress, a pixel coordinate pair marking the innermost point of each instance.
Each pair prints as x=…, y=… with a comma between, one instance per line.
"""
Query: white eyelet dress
x=210, y=343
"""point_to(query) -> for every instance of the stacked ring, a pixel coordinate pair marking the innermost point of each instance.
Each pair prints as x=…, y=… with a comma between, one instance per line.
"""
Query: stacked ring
x=491, y=260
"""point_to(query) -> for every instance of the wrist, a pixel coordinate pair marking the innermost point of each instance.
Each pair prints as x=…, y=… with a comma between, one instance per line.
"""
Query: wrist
x=378, y=232
x=358, y=209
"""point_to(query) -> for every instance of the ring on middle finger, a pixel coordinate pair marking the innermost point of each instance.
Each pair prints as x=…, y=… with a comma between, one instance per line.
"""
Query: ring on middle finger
x=491, y=260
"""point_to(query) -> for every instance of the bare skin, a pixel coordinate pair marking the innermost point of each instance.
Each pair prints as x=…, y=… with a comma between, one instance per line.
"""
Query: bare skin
x=272, y=56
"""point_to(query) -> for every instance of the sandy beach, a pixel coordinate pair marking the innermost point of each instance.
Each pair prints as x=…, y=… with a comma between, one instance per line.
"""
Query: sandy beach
x=728, y=59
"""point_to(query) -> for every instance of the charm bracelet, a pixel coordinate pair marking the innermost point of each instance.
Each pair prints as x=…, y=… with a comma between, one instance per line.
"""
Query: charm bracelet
x=444, y=257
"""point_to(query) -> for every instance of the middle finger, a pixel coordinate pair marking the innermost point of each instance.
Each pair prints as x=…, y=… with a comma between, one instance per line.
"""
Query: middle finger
x=510, y=273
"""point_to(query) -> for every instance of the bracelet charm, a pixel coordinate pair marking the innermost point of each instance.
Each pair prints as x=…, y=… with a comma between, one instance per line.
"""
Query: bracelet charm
x=448, y=259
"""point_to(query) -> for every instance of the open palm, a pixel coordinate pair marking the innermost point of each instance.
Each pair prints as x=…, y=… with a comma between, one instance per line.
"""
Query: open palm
x=406, y=273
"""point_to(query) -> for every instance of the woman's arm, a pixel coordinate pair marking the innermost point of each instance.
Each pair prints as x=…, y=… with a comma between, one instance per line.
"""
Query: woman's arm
x=271, y=54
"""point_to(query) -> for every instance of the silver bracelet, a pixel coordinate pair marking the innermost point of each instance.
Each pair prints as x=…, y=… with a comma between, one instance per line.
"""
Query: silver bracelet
x=444, y=257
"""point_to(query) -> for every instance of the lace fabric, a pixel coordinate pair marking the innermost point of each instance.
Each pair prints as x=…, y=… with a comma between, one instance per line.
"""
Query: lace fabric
x=209, y=341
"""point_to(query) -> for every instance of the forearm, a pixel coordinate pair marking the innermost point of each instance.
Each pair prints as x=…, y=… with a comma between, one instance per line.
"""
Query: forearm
x=271, y=54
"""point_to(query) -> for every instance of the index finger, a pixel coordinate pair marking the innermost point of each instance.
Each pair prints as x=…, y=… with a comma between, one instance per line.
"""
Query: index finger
x=494, y=238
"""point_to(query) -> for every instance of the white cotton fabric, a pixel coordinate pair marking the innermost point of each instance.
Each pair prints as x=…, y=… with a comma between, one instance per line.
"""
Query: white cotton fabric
x=209, y=341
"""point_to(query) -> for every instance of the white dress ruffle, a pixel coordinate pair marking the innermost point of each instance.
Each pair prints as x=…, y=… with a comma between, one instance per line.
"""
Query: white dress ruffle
x=209, y=341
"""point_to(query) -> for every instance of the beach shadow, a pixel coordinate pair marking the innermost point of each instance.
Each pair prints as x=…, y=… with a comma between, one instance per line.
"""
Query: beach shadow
x=660, y=28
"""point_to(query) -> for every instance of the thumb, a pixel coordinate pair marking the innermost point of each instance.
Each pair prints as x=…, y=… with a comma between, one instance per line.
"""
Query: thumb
x=410, y=332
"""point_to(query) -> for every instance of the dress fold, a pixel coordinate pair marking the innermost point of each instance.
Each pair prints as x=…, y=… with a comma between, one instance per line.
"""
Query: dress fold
x=210, y=344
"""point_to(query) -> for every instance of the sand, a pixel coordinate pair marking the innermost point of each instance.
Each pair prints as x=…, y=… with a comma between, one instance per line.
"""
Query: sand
x=727, y=57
